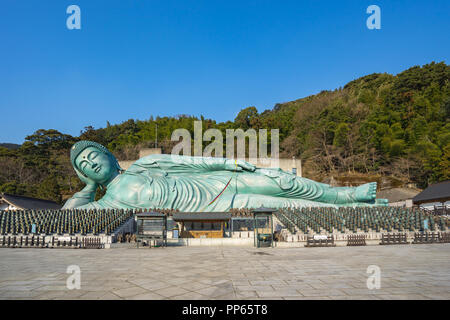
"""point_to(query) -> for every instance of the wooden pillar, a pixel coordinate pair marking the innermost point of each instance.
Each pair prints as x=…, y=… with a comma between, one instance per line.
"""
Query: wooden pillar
x=182, y=229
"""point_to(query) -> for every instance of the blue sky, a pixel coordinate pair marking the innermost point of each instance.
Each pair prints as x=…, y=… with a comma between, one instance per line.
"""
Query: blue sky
x=137, y=58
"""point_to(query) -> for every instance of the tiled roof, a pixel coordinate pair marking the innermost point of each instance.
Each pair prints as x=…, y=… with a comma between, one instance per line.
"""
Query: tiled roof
x=190, y=216
x=150, y=214
x=22, y=202
x=438, y=192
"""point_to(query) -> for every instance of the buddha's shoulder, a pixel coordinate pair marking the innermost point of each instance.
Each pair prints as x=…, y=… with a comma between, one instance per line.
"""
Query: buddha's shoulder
x=128, y=187
x=128, y=180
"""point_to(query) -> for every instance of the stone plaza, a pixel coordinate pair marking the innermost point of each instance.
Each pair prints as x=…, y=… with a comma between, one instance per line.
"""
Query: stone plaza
x=407, y=272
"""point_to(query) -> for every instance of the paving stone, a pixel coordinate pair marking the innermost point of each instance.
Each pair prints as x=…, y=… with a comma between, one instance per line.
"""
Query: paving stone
x=227, y=296
x=214, y=292
x=254, y=288
x=292, y=286
x=189, y=296
x=129, y=292
x=52, y=288
x=19, y=294
x=321, y=292
x=154, y=285
x=438, y=296
x=193, y=286
x=61, y=295
x=360, y=297
x=171, y=291
x=110, y=296
x=267, y=282
x=278, y=293
x=403, y=297
x=407, y=272
x=305, y=298
x=12, y=287
x=94, y=295
x=213, y=281
x=416, y=289
x=241, y=282
x=246, y=294
x=176, y=281
x=147, y=296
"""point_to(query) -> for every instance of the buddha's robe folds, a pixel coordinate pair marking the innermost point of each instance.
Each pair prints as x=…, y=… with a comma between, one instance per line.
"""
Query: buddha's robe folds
x=190, y=184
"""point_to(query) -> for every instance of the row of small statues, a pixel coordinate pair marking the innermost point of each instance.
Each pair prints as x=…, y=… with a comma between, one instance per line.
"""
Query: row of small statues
x=242, y=212
x=127, y=237
x=166, y=212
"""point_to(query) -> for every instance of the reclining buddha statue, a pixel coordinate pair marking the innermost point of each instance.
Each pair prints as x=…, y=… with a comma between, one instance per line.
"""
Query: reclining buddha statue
x=195, y=184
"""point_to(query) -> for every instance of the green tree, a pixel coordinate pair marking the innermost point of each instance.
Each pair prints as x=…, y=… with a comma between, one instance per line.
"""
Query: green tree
x=49, y=189
x=246, y=117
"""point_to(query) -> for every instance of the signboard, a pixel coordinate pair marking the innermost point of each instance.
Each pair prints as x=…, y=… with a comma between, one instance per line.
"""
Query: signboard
x=320, y=237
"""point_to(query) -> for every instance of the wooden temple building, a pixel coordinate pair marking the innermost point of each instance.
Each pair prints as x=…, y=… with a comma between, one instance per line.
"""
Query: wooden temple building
x=202, y=224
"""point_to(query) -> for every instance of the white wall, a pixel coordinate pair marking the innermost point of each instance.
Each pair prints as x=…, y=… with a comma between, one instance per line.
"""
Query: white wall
x=430, y=206
x=6, y=206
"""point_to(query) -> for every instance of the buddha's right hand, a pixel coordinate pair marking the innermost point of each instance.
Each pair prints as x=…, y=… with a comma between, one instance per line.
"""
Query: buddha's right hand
x=239, y=165
x=84, y=196
x=91, y=186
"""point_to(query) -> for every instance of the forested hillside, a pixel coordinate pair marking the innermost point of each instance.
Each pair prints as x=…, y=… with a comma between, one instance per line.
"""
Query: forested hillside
x=377, y=125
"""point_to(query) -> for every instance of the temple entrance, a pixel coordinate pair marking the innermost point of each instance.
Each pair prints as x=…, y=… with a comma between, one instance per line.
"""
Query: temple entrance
x=263, y=227
x=203, y=224
x=151, y=229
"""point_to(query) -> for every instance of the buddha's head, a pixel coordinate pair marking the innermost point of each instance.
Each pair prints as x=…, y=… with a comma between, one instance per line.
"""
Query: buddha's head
x=94, y=162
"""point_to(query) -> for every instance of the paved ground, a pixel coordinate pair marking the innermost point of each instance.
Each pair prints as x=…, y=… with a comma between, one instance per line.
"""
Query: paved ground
x=407, y=272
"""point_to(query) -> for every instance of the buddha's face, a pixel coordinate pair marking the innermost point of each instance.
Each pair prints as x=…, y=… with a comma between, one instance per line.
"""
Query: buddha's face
x=96, y=165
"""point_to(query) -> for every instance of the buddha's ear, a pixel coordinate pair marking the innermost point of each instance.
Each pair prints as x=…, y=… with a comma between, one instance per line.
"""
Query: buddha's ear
x=115, y=162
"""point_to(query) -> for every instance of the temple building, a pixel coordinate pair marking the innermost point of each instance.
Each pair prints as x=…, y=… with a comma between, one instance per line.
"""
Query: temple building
x=399, y=197
x=435, y=198
x=14, y=202
x=202, y=224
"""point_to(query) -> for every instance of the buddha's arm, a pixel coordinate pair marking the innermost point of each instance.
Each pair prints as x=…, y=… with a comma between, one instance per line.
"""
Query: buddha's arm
x=81, y=198
x=97, y=205
x=84, y=203
x=126, y=192
x=177, y=163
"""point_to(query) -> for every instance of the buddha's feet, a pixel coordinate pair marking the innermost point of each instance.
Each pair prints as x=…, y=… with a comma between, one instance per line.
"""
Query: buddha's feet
x=382, y=202
x=366, y=192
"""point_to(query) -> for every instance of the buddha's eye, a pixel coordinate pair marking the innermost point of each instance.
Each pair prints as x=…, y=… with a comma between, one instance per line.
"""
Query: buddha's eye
x=93, y=155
